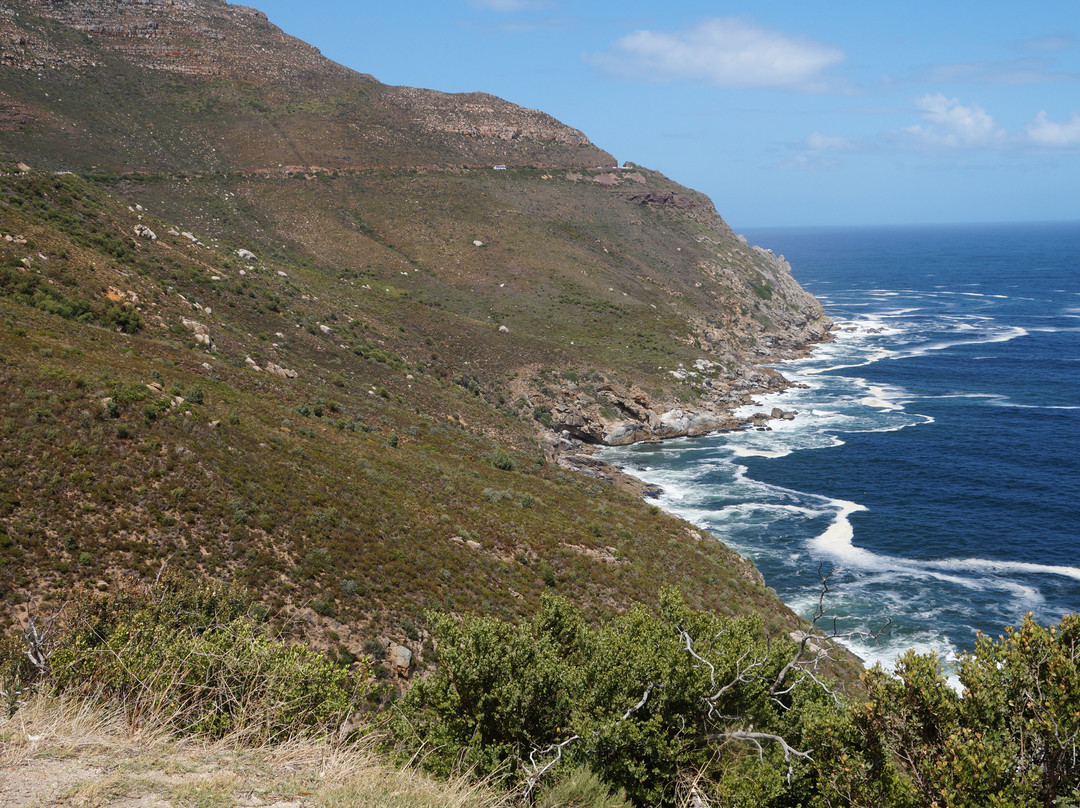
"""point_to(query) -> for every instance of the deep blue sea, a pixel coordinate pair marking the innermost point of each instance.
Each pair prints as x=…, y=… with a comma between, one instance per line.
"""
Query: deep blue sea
x=934, y=465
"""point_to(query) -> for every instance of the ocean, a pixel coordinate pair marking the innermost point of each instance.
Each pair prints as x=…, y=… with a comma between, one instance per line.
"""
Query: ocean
x=933, y=469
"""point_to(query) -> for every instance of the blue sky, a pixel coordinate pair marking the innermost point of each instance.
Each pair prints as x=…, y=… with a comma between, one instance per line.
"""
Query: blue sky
x=785, y=113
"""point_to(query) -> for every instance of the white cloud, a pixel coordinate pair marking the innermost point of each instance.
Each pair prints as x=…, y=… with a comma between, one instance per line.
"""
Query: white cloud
x=1045, y=132
x=953, y=125
x=818, y=142
x=728, y=51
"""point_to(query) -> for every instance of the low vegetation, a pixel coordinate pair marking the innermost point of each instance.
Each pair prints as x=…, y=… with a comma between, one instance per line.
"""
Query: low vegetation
x=356, y=496
x=656, y=707
x=64, y=751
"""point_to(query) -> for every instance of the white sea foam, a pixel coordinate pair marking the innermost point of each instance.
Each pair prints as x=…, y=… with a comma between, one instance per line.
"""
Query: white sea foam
x=1005, y=335
x=714, y=492
x=1004, y=402
x=837, y=541
x=741, y=451
x=883, y=398
x=985, y=565
x=837, y=538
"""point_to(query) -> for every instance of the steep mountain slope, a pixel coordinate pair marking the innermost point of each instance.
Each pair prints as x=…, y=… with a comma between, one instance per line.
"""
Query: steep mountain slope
x=287, y=323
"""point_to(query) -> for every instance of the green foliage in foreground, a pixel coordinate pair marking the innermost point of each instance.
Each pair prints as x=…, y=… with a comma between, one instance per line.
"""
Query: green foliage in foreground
x=1013, y=739
x=196, y=656
x=537, y=702
x=628, y=701
x=643, y=708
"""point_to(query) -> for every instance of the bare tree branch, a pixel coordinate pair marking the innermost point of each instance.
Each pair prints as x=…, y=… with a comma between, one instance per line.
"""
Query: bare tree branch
x=640, y=704
x=40, y=639
x=538, y=770
x=756, y=738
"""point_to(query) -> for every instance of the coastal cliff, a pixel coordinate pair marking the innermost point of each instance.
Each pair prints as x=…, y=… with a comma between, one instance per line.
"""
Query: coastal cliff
x=273, y=320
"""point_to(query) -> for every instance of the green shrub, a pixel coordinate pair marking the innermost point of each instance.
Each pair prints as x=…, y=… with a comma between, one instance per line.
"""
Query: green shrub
x=547, y=573
x=502, y=460
x=628, y=700
x=199, y=657
x=499, y=689
x=1012, y=739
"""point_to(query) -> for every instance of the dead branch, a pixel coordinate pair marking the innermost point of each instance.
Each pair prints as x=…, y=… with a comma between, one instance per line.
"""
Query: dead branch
x=641, y=703
x=41, y=638
x=756, y=738
x=538, y=770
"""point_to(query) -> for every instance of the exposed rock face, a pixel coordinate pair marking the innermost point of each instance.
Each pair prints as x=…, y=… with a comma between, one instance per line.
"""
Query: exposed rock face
x=150, y=32
x=479, y=115
x=200, y=330
x=377, y=127
x=612, y=415
x=278, y=370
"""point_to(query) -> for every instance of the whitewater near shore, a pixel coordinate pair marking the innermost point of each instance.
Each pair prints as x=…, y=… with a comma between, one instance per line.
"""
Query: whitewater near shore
x=932, y=467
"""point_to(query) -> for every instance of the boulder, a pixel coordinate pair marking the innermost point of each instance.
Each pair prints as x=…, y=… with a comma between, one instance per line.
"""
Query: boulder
x=194, y=326
x=145, y=232
x=278, y=370
x=247, y=255
x=626, y=432
x=679, y=422
x=400, y=659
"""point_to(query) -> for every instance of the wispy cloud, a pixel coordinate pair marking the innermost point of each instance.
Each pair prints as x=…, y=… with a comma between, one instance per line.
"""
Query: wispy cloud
x=1031, y=70
x=1047, y=133
x=823, y=143
x=727, y=52
x=949, y=124
x=817, y=152
x=1052, y=43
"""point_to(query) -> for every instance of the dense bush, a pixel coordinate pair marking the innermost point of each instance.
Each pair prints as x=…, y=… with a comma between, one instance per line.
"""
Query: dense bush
x=198, y=657
x=627, y=700
x=34, y=290
x=1012, y=739
x=656, y=699
x=649, y=705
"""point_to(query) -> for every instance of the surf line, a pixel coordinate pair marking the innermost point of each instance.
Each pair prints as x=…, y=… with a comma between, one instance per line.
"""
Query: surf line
x=838, y=541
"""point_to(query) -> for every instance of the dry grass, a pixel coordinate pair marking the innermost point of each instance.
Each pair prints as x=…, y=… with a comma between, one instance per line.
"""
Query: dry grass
x=73, y=753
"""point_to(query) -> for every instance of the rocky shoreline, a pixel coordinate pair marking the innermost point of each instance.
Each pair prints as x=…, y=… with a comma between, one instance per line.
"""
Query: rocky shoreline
x=582, y=424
